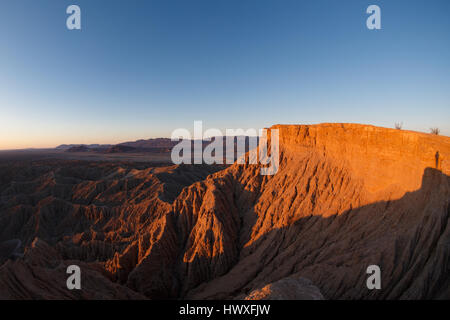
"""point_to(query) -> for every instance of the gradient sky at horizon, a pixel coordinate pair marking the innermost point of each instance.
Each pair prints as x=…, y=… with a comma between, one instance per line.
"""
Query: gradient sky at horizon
x=140, y=69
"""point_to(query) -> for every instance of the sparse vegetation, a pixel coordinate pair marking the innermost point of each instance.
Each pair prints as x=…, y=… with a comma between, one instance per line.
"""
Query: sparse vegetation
x=398, y=125
x=435, y=131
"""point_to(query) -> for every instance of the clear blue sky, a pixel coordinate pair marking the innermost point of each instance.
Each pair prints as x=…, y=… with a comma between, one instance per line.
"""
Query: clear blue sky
x=140, y=69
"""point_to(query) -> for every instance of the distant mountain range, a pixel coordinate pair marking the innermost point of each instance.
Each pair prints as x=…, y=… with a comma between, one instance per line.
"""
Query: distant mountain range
x=150, y=143
x=89, y=146
x=158, y=145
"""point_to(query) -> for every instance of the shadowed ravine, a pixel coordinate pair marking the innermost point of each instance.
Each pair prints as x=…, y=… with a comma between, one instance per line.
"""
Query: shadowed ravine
x=345, y=197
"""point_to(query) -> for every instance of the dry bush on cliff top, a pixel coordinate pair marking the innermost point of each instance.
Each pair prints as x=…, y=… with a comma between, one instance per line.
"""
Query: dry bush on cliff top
x=435, y=131
x=398, y=125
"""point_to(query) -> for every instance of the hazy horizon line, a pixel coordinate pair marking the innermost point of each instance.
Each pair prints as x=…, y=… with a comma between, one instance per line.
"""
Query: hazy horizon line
x=162, y=137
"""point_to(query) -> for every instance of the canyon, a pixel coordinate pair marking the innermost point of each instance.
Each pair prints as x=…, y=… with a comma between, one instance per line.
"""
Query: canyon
x=345, y=196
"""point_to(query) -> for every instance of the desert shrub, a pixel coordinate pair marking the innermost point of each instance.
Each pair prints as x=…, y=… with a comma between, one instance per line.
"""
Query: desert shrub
x=435, y=131
x=398, y=125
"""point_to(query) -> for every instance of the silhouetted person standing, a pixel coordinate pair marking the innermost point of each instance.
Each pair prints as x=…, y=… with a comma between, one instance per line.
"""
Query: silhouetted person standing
x=437, y=159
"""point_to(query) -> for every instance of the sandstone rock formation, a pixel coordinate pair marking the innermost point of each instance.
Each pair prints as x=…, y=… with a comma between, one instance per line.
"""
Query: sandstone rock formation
x=38, y=274
x=345, y=197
